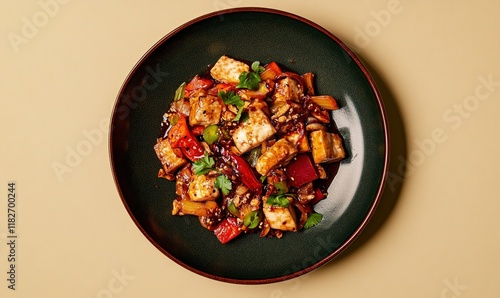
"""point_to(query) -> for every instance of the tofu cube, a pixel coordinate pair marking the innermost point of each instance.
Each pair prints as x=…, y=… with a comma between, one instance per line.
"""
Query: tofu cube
x=300, y=141
x=288, y=89
x=253, y=131
x=167, y=156
x=202, y=188
x=228, y=70
x=281, y=218
x=205, y=109
x=326, y=147
x=280, y=153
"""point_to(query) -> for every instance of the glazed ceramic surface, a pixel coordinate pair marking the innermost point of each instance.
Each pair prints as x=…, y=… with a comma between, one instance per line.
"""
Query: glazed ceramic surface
x=250, y=34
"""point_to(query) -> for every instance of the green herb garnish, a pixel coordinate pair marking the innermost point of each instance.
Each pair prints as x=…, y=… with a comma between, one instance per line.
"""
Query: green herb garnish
x=203, y=165
x=278, y=201
x=312, y=220
x=224, y=184
x=232, y=98
x=257, y=68
x=250, y=80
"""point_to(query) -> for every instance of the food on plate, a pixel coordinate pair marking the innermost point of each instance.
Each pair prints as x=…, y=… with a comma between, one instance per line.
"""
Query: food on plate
x=247, y=147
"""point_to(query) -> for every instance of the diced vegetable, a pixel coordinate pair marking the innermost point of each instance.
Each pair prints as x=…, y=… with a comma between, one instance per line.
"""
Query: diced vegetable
x=254, y=156
x=199, y=83
x=246, y=173
x=221, y=87
x=227, y=230
x=278, y=201
x=325, y=101
x=179, y=93
x=272, y=70
x=281, y=187
x=181, y=137
x=197, y=130
x=185, y=207
x=301, y=171
x=233, y=209
x=211, y=134
x=260, y=93
x=252, y=219
x=308, y=79
x=318, y=196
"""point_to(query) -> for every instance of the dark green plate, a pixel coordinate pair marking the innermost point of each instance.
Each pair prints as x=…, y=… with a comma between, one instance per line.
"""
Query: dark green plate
x=264, y=35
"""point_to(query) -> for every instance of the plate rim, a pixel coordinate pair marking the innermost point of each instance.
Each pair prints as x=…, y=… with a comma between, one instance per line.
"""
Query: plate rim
x=381, y=113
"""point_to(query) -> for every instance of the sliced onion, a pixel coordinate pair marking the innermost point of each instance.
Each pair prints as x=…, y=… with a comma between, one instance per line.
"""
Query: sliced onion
x=325, y=101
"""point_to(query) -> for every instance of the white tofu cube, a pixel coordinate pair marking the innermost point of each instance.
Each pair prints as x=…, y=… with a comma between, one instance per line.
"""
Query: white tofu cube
x=326, y=147
x=281, y=218
x=205, y=109
x=228, y=70
x=280, y=153
x=167, y=156
x=253, y=131
x=202, y=188
x=288, y=89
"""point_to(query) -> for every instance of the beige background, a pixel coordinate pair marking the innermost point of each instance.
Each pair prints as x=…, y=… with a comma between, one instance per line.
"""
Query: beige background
x=436, y=233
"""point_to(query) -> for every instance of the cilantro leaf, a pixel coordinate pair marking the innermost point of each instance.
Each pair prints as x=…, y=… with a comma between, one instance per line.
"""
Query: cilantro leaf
x=223, y=183
x=249, y=80
x=233, y=99
x=278, y=201
x=312, y=220
x=203, y=165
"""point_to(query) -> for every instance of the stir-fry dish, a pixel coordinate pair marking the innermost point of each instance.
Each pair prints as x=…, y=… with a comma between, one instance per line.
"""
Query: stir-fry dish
x=246, y=145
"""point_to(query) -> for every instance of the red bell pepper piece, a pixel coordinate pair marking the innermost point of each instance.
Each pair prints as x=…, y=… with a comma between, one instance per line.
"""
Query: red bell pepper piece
x=246, y=173
x=301, y=171
x=227, y=230
x=181, y=137
x=197, y=130
x=221, y=87
x=198, y=83
x=318, y=196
